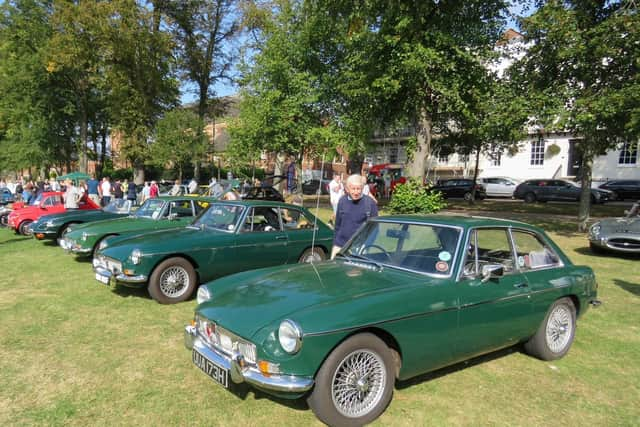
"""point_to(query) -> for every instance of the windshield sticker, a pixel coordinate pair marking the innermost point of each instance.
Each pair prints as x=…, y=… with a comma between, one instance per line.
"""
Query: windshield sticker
x=442, y=266
x=444, y=256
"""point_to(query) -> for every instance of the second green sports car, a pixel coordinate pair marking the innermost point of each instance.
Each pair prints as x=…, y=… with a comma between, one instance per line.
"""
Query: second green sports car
x=229, y=237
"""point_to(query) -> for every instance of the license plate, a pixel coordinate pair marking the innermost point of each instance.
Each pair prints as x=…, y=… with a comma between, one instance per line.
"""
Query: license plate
x=102, y=279
x=218, y=373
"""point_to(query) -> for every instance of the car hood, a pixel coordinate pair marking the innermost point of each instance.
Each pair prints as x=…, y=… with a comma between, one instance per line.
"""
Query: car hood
x=173, y=240
x=247, y=302
x=109, y=226
x=620, y=226
x=71, y=215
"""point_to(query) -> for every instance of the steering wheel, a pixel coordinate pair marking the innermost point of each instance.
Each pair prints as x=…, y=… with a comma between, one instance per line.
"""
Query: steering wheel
x=382, y=250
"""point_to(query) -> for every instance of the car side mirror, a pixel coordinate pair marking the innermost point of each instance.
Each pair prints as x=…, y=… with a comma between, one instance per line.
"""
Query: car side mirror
x=492, y=271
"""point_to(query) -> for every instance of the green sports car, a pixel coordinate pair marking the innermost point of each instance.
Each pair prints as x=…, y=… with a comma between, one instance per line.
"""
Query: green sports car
x=405, y=296
x=228, y=237
x=50, y=227
x=158, y=213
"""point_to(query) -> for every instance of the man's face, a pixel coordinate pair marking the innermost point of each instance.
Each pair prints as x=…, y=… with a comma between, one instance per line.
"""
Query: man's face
x=354, y=190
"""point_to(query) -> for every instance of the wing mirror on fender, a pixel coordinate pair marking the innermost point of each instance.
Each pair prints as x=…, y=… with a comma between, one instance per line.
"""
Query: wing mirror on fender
x=492, y=271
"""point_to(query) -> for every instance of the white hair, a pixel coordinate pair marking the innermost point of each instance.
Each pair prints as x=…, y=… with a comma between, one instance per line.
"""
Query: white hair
x=354, y=179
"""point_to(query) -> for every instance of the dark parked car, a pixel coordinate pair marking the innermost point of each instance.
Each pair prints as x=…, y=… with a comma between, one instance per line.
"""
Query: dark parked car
x=623, y=188
x=617, y=234
x=459, y=188
x=316, y=186
x=263, y=193
x=559, y=190
x=405, y=296
x=6, y=196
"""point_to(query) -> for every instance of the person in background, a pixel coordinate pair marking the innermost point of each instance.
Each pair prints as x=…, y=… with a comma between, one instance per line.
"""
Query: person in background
x=336, y=190
x=176, y=190
x=132, y=193
x=105, y=188
x=145, y=191
x=193, y=186
x=387, y=184
x=291, y=176
x=92, y=189
x=153, y=190
x=366, y=191
x=71, y=195
x=55, y=185
x=125, y=187
x=353, y=211
x=117, y=190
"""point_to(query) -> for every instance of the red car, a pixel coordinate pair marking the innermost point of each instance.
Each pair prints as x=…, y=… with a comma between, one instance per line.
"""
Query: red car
x=46, y=203
x=375, y=177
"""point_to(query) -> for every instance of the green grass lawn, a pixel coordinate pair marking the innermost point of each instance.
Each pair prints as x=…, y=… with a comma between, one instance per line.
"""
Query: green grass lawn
x=73, y=352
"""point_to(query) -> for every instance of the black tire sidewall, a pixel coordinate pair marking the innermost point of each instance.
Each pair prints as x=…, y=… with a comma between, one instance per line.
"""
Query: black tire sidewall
x=320, y=400
x=537, y=345
x=154, y=281
x=23, y=225
x=529, y=197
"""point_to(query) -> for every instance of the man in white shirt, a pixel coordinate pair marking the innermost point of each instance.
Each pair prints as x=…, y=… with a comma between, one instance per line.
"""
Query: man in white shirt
x=193, y=186
x=71, y=195
x=106, y=191
x=336, y=190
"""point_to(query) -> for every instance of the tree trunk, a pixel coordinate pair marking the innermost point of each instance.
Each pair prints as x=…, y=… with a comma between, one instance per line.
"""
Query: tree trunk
x=416, y=165
x=138, y=172
x=585, y=196
x=280, y=170
x=475, y=176
x=84, y=136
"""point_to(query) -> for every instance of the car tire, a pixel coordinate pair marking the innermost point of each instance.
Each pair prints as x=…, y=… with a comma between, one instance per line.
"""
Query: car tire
x=312, y=255
x=172, y=281
x=468, y=196
x=23, y=227
x=64, y=228
x=596, y=249
x=530, y=197
x=555, y=335
x=347, y=395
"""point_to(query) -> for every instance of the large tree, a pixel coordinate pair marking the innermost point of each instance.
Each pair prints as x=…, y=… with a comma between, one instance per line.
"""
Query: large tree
x=405, y=61
x=581, y=72
x=204, y=31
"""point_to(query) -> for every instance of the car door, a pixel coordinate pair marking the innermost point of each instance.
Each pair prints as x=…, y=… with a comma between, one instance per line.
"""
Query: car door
x=261, y=242
x=493, y=313
x=299, y=230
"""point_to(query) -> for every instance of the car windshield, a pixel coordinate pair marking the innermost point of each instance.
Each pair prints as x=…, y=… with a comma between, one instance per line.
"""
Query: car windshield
x=425, y=248
x=220, y=216
x=152, y=208
x=118, y=206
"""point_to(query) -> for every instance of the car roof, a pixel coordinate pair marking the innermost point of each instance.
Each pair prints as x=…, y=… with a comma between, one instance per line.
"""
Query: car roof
x=465, y=221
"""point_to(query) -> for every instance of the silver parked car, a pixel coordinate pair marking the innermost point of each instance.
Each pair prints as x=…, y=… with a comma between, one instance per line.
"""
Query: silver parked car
x=499, y=186
x=617, y=234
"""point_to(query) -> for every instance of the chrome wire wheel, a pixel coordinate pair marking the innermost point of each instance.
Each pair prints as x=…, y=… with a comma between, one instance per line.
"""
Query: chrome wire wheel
x=358, y=383
x=174, y=281
x=559, y=328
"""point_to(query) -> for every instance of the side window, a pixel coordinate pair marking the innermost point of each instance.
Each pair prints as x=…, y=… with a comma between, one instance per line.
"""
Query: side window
x=532, y=253
x=181, y=208
x=261, y=219
x=294, y=219
x=200, y=206
x=488, y=246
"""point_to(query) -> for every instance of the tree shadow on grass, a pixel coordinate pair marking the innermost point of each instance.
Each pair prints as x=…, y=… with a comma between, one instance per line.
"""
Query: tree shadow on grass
x=458, y=367
x=632, y=288
x=16, y=239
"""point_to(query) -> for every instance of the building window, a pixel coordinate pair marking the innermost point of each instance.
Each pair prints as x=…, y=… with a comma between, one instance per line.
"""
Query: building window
x=537, y=152
x=443, y=158
x=495, y=157
x=464, y=158
x=628, y=154
x=393, y=154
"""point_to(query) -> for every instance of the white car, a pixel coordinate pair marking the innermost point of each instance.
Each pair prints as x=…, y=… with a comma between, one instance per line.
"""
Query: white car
x=499, y=186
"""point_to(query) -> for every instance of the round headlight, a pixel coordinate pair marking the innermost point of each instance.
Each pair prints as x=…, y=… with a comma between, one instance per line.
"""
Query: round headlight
x=290, y=336
x=594, y=231
x=203, y=294
x=136, y=256
x=103, y=244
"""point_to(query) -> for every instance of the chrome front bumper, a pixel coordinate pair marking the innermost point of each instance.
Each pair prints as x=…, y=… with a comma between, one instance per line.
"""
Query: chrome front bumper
x=249, y=374
x=119, y=277
x=70, y=246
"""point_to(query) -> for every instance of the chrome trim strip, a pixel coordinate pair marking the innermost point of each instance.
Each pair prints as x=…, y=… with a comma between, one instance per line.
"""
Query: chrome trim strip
x=280, y=383
x=120, y=277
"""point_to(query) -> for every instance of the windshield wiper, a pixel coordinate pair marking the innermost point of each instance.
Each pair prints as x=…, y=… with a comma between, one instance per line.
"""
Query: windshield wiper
x=362, y=258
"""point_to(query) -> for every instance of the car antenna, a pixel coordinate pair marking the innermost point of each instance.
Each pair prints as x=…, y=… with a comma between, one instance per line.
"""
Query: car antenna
x=315, y=217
